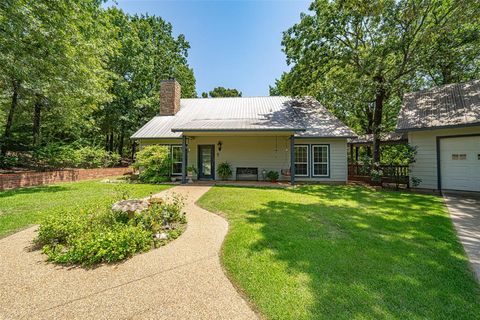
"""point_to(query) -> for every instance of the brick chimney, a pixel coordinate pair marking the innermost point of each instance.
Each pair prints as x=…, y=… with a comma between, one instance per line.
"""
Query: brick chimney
x=170, y=91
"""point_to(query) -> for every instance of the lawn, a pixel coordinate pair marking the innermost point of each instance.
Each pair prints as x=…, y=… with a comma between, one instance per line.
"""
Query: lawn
x=344, y=252
x=23, y=207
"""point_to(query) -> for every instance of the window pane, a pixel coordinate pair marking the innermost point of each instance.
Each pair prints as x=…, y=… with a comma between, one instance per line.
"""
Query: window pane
x=301, y=169
x=176, y=154
x=320, y=160
x=177, y=168
x=176, y=159
x=301, y=154
x=301, y=160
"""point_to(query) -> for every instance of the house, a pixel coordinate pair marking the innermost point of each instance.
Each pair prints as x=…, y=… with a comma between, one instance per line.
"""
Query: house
x=254, y=134
x=444, y=124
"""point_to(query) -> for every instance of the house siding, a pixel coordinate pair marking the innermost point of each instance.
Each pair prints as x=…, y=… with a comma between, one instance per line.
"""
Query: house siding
x=265, y=153
x=425, y=166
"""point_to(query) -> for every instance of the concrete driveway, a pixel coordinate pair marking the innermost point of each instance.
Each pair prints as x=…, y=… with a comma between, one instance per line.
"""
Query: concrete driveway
x=464, y=210
x=182, y=280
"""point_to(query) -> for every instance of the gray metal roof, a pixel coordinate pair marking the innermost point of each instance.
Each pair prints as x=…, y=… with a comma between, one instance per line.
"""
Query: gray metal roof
x=450, y=105
x=305, y=116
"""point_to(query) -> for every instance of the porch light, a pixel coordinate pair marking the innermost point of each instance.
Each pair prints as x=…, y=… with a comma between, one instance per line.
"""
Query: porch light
x=219, y=144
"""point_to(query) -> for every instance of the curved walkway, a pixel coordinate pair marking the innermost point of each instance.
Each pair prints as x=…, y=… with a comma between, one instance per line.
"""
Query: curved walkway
x=183, y=280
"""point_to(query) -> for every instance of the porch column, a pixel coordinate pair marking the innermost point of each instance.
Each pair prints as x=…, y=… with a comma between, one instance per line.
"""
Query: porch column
x=184, y=159
x=292, y=160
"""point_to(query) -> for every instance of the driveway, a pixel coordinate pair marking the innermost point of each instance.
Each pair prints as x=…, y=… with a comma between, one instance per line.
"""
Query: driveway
x=182, y=280
x=464, y=210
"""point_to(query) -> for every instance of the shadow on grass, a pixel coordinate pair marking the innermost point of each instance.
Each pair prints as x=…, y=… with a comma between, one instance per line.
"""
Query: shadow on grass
x=31, y=190
x=370, y=254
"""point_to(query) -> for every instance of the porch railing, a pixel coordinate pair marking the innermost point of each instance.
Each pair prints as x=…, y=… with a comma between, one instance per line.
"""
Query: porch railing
x=390, y=173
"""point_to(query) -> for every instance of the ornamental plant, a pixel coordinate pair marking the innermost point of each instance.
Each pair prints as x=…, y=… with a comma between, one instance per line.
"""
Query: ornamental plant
x=154, y=164
x=224, y=170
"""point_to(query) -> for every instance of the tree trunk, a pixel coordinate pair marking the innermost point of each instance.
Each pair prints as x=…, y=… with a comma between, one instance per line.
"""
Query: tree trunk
x=36, y=123
x=110, y=145
x=377, y=120
x=121, y=140
x=8, y=124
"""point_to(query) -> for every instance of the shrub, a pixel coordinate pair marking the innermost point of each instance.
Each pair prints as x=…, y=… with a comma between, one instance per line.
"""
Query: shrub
x=272, y=176
x=102, y=235
x=59, y=156
x=154, y=164
x=224, y=170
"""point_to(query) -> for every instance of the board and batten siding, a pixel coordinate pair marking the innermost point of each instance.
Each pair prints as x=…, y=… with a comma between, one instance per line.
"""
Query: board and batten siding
x=263, y=152
x=425, y=166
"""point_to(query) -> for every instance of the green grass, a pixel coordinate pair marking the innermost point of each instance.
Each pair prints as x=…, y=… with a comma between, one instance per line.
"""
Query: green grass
x=23, y=207
x=345, y=252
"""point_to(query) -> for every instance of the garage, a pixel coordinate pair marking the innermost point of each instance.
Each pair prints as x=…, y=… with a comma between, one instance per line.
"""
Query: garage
x=460, y=163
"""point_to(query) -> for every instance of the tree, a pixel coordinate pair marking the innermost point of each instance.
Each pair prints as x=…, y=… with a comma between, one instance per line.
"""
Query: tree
x=358, y=57
x=222, y=92
x=148, y=54
x=52, y=57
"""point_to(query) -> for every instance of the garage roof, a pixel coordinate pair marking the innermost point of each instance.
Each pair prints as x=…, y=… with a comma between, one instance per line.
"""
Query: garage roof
x=451, y=105
x=305, y=116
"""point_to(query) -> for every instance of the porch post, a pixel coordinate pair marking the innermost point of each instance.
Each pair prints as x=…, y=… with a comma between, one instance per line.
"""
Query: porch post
x=292, y=160
x=184, y=159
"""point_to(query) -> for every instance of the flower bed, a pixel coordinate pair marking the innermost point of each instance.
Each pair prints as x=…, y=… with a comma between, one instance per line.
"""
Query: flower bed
x=111, y=234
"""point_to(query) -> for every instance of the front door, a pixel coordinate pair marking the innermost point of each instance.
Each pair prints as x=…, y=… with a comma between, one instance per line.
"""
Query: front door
x=206, y=162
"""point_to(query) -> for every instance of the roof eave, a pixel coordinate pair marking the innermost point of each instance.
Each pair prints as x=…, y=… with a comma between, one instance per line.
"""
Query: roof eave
x=452, y=126
x=237, y=130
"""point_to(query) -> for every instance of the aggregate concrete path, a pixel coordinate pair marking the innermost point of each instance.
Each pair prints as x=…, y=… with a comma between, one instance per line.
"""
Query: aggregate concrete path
x=464, y=210
x=183, y=280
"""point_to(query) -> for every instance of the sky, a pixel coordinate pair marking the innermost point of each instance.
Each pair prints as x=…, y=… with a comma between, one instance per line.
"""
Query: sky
x=234, y=44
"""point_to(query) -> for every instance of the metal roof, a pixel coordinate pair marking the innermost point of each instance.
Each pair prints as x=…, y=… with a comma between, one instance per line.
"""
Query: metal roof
x=303, y=115
x=451, y=105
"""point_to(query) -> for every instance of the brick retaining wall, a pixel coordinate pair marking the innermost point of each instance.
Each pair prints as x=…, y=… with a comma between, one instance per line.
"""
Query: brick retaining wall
x=28, y=179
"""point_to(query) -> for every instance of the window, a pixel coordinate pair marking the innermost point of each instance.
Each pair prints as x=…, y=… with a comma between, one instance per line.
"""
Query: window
x=320, y=160
x=177, y=156
x=461, y=156
x=301, y=160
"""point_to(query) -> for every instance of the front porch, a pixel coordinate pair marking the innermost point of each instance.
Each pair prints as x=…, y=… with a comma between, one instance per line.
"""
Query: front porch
x=250, y=156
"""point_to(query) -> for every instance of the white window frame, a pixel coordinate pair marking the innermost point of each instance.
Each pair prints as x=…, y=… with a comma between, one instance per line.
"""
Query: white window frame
x=171, y=157
x=307, y=163
x=322, y=162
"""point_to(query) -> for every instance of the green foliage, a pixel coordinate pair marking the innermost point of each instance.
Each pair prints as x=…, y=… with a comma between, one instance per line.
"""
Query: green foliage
x=154, y=163
x=192, y=169
x=101, y=235
x=219, y=92
x=358, y=58
x=224, y=170
x=402, y=154
x=272, y=175
x=56, y=156
x=74, y=71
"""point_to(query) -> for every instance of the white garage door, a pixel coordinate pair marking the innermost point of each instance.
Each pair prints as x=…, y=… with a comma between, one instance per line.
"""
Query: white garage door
x=460, y=163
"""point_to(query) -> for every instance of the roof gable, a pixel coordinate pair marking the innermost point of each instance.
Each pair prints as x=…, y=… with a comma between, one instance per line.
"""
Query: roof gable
x=444, y=106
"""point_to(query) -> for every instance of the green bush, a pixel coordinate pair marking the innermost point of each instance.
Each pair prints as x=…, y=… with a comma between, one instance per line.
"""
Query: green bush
x=272, y=176
x=154, y=164
x=102, y=235
x=224, y=170
x=59, y=156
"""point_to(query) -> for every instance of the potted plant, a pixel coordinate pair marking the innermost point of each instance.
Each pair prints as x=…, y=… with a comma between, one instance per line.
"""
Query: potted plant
x=224, y=170
x=272, y=176
x=191, y=170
